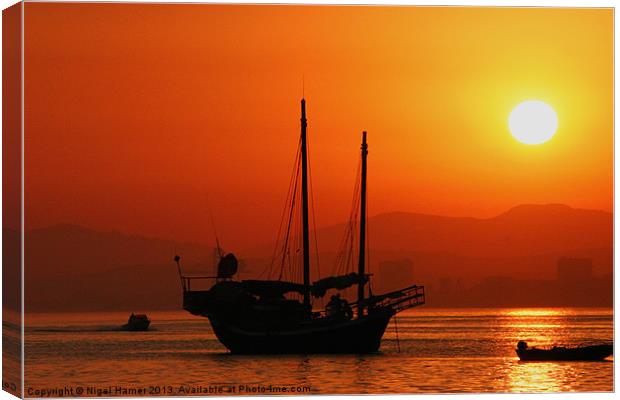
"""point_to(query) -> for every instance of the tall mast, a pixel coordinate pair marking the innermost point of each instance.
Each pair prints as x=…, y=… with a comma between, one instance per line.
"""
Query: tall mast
x=362, y=257
x=304, y=204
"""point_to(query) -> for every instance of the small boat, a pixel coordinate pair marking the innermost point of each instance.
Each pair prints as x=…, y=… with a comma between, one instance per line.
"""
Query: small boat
x=137, y=322
x=578, y=353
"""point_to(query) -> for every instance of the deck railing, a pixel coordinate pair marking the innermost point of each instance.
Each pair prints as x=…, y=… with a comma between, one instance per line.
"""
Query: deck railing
x=400, y=300
x=412, y=296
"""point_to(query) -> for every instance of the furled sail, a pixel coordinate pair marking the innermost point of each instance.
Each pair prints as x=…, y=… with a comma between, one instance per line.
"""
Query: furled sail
x=271, y=289
x=320, y=287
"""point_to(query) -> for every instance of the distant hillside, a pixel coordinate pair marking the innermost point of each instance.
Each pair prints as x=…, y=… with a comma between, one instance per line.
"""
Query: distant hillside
x=522, y=231
x=74, y=249
x=525, y=241
x=75, y=268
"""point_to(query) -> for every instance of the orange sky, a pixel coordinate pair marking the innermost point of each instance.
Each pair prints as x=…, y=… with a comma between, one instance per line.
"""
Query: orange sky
x=138, y=116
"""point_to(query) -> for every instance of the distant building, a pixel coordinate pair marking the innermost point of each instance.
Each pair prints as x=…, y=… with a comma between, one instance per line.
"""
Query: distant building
x=394, y=275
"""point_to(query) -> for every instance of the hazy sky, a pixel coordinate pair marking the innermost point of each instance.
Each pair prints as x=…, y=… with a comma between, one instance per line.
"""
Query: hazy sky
x=141, y=118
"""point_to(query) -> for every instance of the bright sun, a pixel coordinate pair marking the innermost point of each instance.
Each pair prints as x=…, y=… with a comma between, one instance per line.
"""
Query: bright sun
x=533, y=122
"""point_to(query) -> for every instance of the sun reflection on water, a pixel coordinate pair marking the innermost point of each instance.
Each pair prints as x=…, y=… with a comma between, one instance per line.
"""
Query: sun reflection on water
x=436, y=351
x=534, y=377
x=541, y=327
x=536, y=312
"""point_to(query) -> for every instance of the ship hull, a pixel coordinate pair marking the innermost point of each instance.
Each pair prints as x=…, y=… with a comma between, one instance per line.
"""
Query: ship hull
x=137, y=326
x=356, y=336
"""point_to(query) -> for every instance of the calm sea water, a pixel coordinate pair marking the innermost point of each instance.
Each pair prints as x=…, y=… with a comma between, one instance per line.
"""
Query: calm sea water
x=423, y=351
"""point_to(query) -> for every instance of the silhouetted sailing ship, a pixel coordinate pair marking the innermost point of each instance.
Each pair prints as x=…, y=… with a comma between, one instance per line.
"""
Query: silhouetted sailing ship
x=276, y=316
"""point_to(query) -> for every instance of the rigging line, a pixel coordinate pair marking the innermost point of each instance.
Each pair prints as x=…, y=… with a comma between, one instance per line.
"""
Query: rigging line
x=344, y=246
x=288, y=265
x=217, y=240
x=354, y=228
x=295, y=261
x=367, y=232
x=316, y=241
x=396, y=329
x=353, y=221
x=368, y=268
x=341, y=247
x=269, y=268
x=294, y=177
x=299, y=260
x=345, y=250
x=292, y=246
x=347, y=246
x=347, y=238
x=213, y=228
x=355, y=206
x=293, y=196
x=277, y=247
x=288, y=230
x=353, y=245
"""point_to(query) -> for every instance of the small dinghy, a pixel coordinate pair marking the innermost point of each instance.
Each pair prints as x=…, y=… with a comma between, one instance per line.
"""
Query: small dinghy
x=137, y=322
x=578, y=353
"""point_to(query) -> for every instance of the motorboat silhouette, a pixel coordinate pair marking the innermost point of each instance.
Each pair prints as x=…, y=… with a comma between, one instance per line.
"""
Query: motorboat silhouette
x=560, y=353
x=137, y=322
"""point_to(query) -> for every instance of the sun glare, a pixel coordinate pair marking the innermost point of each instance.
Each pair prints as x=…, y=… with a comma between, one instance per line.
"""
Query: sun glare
x=533, y=122
x=536, y=312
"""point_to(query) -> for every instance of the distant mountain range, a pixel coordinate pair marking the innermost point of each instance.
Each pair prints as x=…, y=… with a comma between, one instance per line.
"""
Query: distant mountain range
x=525, y=242
x=72, y=268
x=75, y=268
x=522, y=231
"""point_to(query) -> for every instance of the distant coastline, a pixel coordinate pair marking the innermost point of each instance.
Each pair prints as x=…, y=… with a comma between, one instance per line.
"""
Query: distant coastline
x=510, y=260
